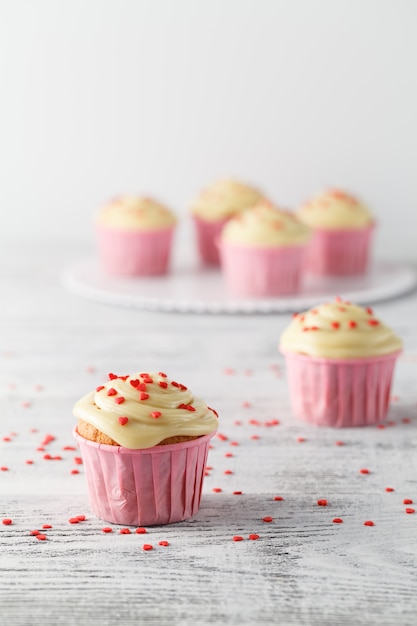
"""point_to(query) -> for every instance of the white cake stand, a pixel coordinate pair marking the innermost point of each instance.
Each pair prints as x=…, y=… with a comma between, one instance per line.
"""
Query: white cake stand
x=193, y=289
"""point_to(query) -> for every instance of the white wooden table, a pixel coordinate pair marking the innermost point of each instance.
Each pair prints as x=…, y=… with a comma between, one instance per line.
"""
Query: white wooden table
x=303, y=568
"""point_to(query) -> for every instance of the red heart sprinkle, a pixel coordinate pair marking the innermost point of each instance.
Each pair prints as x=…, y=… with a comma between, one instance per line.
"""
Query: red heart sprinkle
x=112, y=392
x=409, y=511
x=155, y=414
x=322, y=502
x=134, y=382
x=147, y=546
x=237, y=538
x=123, y=420
x=337, y=520
x=140, y=531
x=112, y=376
x=368, y=523
x=143, y=395
x=119, y=400
x=407, y=501
x=163, y=384
x=253, y=536
x=163, y=543
x=268, y=518
x=107, y=529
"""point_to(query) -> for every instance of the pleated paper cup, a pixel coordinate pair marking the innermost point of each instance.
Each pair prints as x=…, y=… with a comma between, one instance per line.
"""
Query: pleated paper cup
x=134, y=253
x=255, y=271
x=158, y=485
x=340, y=392
x=207, y=234
x=339, y=252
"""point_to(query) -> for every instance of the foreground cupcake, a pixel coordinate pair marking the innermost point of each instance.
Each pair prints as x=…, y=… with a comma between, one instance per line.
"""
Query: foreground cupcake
x=342, y=232
x=262, y=251
x=144, y=440
x=340, y=361
x=134, y=236
x=213, y=207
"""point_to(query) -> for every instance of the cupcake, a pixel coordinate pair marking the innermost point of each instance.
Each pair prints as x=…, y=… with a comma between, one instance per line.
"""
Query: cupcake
x=134, y=236
x=342, y=232
x=340, y=361
x=144, y=440
x=211, y=210
x=262, y=251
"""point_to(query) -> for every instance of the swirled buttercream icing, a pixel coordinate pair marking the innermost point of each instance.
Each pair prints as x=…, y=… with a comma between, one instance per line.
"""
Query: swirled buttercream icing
x=223, y=199
x=265, y=225
x=333, y=210
x=135, y=213
x=141, y=410
x=339, y=329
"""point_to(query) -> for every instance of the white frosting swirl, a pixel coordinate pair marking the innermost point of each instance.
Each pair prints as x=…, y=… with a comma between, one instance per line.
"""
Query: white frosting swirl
x=135, y=213
x=223, y=199
x=339, y=330
x=139, y=414
x=267, y=226
x=335, y=209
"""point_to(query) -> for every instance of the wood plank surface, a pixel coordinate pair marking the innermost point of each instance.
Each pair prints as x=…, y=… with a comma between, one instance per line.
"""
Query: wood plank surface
x=303, y=568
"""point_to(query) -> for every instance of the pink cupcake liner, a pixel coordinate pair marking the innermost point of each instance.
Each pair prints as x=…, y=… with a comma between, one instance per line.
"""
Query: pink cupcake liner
x=158, y=485
x=339, y=252
x=207, y=234
x=262, y=272
x=340, y=392
x=132, y=253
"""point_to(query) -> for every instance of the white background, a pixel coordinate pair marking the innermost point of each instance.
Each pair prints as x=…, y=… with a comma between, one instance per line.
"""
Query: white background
x=100, y=97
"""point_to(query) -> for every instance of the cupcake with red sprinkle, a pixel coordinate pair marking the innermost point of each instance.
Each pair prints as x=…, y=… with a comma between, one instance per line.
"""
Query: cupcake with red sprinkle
x=340, y=361
x=144, y=440
x=262, y=251
x=213, y=207
x=342, y=233
x=134, y=236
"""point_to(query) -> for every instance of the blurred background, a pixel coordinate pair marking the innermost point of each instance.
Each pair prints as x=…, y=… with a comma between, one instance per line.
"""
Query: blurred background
x=102, y=97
